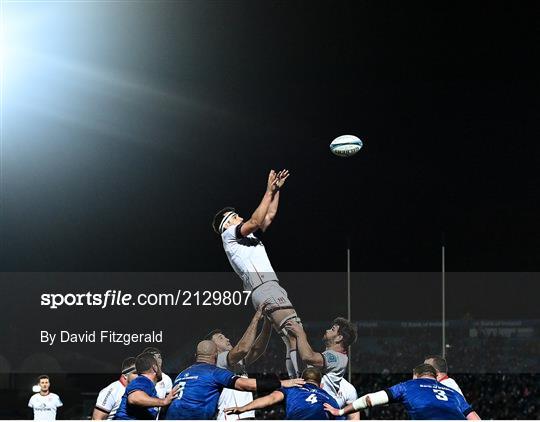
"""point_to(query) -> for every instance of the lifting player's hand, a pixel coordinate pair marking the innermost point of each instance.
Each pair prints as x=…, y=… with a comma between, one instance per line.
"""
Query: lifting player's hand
x=294, y=328
x=332, y=410
x=260, y=310
x=281, y=177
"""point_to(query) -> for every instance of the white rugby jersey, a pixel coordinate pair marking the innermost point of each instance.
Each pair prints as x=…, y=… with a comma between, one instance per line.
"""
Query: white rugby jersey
x=333, y=370
x=450, y=382
x=164, y=386
x=44, y=406
x=248, y=258
x=346, y=393
x=230, y=397
x=110, y=397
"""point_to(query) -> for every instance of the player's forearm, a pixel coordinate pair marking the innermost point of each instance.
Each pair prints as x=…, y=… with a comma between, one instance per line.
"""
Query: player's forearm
x=246, y=342
x=306, y=352
x=261, y=343
x=144, y=400
x=259, y=214
x=273, y=207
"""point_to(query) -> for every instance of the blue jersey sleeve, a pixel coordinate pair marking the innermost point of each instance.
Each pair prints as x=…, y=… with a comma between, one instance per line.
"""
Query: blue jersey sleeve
x=464, y=407
x=396, y=392
x=224, y=377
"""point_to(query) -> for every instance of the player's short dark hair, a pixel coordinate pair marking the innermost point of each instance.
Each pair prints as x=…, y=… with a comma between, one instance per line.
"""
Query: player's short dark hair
x=347, y=330
x=439, y=363
x=425, y=369
x=144, y=362
x=43, y=377
x=313, y=375
x=127, y=364
x=153, y=350
x=213, y=333
x=219, y=216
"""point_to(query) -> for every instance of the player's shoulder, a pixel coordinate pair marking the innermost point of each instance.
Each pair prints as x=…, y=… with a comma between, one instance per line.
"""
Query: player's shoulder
x=54, y=396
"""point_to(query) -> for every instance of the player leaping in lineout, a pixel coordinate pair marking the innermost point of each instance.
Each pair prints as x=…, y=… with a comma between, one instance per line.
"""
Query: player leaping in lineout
x=248, y=257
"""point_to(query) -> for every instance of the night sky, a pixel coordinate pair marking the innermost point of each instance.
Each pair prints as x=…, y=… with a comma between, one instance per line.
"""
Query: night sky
x=443, y=95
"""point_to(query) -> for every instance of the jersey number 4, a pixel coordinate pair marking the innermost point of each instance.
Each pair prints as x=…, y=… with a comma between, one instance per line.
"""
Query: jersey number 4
x=312, y=398
x=440, y=395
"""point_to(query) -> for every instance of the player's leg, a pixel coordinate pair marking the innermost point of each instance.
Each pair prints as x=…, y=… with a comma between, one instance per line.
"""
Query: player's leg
x=280, y=310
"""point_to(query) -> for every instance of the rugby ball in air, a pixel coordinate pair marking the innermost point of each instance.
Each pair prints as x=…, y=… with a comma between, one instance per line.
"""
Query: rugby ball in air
x=346, y=145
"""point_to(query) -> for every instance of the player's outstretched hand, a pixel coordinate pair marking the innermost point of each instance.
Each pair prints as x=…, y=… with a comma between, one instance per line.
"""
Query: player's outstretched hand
x=171, y=396
x=294, y=328
x=296, y=382
x=233, y=411
x=281, y=177
x=271, y=185
x=332, y=410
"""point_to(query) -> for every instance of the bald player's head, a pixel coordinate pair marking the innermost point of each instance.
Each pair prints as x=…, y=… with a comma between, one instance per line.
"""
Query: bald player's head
x=312, y=375
x=206, y=351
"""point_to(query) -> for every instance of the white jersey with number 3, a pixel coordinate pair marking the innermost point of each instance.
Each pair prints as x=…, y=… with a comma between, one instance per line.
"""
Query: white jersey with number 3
x=248, y=258
x=44, y=406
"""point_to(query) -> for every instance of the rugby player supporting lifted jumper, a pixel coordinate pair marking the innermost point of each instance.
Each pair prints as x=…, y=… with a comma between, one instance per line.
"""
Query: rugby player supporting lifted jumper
x=248, y=257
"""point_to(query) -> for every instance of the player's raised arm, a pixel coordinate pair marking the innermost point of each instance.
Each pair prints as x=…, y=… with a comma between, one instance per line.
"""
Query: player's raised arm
x=305, y=351
x=247, y=341
x=257, y=218
x=260, y=403
x=261, y=343
x=281, y=177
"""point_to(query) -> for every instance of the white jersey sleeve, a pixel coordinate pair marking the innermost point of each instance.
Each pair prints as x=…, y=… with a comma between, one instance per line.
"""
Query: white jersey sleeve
x=110, y=397
x=333, y=370
x=450, y=382
x=222, y=360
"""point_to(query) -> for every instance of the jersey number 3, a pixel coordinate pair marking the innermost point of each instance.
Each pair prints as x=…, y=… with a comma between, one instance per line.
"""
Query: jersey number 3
x=312, y=398
x=440, y=395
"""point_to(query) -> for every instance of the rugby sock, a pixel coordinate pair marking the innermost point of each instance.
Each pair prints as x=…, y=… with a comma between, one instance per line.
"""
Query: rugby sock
x=294, y=361
x=288, y=362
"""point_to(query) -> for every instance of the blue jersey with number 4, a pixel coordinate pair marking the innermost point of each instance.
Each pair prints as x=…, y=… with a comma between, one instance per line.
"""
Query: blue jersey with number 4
x=425, y=398
x=306, y=403
x=200, y=387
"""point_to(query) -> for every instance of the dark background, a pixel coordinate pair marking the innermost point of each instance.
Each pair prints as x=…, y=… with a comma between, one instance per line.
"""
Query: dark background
x=443, y=95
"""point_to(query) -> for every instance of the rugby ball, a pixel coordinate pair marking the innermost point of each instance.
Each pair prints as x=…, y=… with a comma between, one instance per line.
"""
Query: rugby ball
x=346, y=145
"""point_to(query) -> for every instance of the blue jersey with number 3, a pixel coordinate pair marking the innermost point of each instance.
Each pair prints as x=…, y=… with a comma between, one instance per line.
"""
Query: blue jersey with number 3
x=306, y=403
x=425, y=398
x=200, y=387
